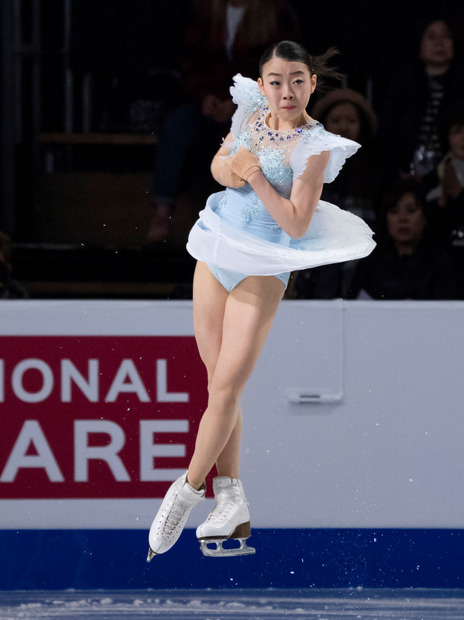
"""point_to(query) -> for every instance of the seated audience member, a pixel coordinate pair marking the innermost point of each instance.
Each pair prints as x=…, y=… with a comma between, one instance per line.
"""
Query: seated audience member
x=444, y=188
x=347, y=113
x=224, y=37
x=406, y=264
x=419, y=93
x=9, y=288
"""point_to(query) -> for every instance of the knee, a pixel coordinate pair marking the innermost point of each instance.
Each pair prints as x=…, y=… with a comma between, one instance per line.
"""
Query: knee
x=223, y=398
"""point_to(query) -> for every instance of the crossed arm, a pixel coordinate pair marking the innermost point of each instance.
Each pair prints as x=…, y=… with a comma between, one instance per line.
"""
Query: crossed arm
x=292, y=214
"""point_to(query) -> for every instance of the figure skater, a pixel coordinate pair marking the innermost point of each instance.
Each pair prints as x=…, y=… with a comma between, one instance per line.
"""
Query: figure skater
x=268, y=222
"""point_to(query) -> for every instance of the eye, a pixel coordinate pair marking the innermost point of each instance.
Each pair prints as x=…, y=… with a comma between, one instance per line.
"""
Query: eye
x=274, y=83
x=299, y=81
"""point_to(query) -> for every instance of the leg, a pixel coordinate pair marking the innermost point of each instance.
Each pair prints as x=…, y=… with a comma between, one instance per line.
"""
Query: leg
x=231, y=329
x=228, y=462
x=247, y=317
x=209, y=302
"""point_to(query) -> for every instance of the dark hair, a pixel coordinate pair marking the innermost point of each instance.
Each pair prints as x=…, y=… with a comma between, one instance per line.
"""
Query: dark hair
x=453, y=115
x=291, y=51
x=392, y=196
x=401, y=187
x=427, y=20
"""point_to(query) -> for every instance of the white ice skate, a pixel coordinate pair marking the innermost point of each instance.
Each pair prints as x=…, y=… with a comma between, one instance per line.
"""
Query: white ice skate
x=170, y=519
x=229, y=519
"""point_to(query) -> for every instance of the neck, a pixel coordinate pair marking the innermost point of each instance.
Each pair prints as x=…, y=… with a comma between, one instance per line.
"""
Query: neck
x=405, y=249
x=437, y=69
x=280, y=124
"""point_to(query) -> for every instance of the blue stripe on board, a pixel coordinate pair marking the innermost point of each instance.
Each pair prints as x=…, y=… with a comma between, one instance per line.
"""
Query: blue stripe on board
x=285, y=558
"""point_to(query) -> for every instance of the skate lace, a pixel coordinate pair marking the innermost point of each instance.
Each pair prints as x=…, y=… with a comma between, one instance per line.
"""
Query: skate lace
x=221, y=512
x=173, y=518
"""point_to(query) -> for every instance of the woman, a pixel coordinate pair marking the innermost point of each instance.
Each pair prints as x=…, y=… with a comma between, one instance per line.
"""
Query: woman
x=407, y=264
x=223, y=37
x=247, y=241
x=357, y=188
x=444, y=189
x=419, y=93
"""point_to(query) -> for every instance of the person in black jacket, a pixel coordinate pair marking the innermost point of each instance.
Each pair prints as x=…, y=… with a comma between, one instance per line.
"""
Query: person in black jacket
x=444, y=189
x=419, y=93
x=223, y=38
x=407, y=264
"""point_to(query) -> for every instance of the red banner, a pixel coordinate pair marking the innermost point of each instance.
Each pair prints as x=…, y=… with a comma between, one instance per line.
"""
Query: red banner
x=97, y=416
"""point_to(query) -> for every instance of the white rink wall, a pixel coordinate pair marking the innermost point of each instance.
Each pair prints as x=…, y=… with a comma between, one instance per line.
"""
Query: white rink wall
x=389, y=452
x=353, y=416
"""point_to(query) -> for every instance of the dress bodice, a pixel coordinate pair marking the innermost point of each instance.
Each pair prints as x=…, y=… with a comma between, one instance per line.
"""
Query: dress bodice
x=236, y=232
x=273, y=148
x=282, y=155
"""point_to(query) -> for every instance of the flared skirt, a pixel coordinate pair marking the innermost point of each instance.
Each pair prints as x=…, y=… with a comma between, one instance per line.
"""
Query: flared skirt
x=333, y=236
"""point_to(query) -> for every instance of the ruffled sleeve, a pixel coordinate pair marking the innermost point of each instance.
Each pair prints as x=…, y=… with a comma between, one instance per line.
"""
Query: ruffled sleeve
x=246, y=94
x=315, y=141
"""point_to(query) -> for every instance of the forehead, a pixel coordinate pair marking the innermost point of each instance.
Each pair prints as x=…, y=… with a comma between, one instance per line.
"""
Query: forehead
x=283, y=67
x=437, y=27
x=343, y=108
x=407, y=199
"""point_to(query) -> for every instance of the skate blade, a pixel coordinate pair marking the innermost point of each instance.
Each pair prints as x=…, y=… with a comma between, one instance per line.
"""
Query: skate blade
x=151, y=555
x=219, y=552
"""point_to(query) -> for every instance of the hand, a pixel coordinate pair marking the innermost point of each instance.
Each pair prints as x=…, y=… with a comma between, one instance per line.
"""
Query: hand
x=243, y=163
x=223, y=174
x=451, y=187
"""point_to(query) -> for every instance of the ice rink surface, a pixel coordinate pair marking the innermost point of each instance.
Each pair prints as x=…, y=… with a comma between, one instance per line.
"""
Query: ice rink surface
x=401, y=604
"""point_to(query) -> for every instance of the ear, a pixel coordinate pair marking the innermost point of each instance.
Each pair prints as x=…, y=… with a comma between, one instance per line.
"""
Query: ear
x=261, y=86
x=313, y=82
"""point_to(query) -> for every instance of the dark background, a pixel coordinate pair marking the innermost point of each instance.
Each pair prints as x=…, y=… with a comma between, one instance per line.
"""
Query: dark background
x=77, y=211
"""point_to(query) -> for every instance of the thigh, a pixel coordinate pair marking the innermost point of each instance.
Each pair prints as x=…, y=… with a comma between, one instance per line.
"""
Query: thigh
x=248, y=315
x=209, y=301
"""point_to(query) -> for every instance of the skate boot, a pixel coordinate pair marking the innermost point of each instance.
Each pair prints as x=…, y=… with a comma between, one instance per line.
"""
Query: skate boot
x=229, y=519
x=170, y=519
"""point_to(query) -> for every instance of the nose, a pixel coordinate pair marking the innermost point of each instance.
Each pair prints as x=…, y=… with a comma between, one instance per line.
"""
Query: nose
x=343, y=128
x=287, y=92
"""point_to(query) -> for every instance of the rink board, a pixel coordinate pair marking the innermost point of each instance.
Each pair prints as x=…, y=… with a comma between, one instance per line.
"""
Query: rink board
x=355, y=409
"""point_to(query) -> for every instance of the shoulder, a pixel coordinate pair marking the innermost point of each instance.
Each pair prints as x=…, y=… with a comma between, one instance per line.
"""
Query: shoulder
x=245, y=92
x=315, y=139
x=316, y=134
x=248, y=98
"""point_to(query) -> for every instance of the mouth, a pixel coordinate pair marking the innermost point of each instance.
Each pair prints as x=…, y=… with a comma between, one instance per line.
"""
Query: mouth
x=288, y=107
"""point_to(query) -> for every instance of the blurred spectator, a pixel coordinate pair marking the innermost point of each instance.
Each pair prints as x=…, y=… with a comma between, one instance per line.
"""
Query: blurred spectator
x=444, y=187
x=9, y=288
x=419, y=92
x=357, y=188
x=224, y=37
x=347, y=113
x=407, y=264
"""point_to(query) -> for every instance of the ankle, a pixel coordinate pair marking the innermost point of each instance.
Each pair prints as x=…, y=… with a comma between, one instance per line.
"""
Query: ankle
x=198, y=486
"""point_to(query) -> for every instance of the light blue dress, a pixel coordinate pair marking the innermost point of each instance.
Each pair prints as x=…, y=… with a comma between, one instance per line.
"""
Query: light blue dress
x=235, y=231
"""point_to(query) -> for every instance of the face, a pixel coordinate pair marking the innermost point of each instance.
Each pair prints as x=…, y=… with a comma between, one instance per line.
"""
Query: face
x=288, y=86
x=456, y=141
x=406, y=221
x=343, y=119
x=437, y=45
